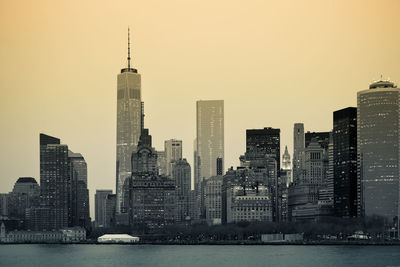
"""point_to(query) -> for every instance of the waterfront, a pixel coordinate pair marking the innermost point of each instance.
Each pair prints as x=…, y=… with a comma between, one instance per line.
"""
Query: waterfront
x=189, y=255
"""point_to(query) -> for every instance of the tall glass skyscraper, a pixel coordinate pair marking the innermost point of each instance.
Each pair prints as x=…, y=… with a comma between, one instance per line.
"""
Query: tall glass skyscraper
x=345, y=162
x=378, y=150
x=210, y=138
x=129, y=124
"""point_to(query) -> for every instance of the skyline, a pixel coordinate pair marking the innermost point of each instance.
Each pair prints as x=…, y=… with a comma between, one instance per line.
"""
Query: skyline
x=84, y=118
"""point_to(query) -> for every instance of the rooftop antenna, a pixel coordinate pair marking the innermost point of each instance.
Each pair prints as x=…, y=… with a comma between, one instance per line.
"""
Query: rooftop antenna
x=129, y=50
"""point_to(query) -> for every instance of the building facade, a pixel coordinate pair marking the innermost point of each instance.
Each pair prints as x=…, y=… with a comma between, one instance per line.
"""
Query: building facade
x=152, y=197
x=262, y=142
x=80, y=215
x=55, y=182
x=181, y=174
x=25, y=195
x=345, y=162
x=129, y=125
x=378, y=150
x=209, y=144
x=100, y=207
x=298, y=150
x=212, y=199
x=173, y=152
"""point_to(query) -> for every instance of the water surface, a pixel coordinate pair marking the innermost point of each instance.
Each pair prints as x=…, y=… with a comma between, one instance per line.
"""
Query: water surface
x=201, y=255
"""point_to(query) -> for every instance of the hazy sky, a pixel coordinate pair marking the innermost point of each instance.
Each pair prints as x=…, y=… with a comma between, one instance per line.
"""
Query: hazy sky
x=273, y=62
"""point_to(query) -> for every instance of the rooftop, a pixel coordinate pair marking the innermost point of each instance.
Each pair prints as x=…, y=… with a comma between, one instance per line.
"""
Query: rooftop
x=382, y=84
x=26, y=180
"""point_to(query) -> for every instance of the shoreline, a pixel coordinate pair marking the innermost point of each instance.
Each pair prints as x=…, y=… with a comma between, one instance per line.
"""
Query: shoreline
x=225, y=243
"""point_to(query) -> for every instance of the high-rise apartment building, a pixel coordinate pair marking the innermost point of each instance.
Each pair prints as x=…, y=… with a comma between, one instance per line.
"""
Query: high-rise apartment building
x=378, y=150
x=345, y=162
x=209, y=139
x=173, y=152
x=129, y=125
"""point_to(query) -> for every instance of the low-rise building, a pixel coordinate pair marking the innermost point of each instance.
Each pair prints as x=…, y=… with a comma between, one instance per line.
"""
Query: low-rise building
x=117, y=238
x=67, y=235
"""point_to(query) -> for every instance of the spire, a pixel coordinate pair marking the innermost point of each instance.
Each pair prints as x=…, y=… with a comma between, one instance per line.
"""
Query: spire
x=129, y=50
x=129, y=69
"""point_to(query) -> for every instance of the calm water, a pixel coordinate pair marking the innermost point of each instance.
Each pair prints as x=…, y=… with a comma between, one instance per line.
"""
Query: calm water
x=149, y=255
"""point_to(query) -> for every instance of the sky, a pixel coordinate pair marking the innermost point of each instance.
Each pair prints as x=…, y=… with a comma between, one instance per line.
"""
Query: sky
x=273, y=63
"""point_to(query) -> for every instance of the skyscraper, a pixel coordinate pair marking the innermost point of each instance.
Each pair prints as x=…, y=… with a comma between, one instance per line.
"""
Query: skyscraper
x=210, y=138
x=263, y=142
x=378, y=150
x=298, y=150
x=129, y=124
x=173, y=152
x=181, y=174
x=100, y=207
x=151, y=196
x=54, y=181
x=79, y=191
x=345, y=162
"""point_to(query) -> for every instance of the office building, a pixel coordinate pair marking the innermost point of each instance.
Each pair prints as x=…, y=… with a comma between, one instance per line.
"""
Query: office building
x=181, y=174
x=209, y=144
x=212, y=199
x=245, y=196
x=262, y=142
x=378, y=150
x=100, y=207
x=3, y=204
x=173, y=152
x=25, y=195
x=129, y=125
x=79, y=191
x=298, y=151
x=152, y=197
x=345, y=162
x=55, y=183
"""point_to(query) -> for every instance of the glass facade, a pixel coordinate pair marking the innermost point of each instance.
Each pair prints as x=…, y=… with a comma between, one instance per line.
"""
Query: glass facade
x=129, y=121
x=345, y=162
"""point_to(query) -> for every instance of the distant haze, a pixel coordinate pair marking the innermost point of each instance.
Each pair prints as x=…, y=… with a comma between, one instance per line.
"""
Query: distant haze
x=273, y=63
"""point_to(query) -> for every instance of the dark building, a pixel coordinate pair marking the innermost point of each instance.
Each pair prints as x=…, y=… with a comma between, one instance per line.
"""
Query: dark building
x=25, y=195
x=101, y=220
x=345, y=162
x=321, y=137
x=181, y=174
x=220, y=166
x=261, y=142
x=79, y=192
x=110, y=203
x=55, y=182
